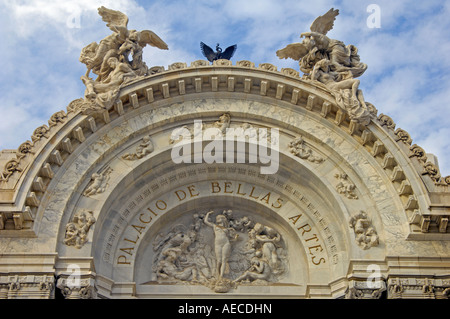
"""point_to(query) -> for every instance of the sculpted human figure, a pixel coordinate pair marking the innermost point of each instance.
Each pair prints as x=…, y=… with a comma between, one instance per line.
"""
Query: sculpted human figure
x=78, y=228
x=109, y=59
x=168, y=269
x=144, y=148
x=98, y=184
x=267, y=238
x=259, y=269
x=345, y=89
x=365, y=233
x=333, y=64
x=222, y=245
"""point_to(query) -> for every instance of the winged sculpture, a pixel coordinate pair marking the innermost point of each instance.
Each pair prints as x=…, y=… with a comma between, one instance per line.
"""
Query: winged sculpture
x=117, y=58
x=333, y=64
x=218, y=54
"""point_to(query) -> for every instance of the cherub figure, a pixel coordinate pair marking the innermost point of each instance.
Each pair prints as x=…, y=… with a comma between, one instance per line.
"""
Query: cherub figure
x=144, y=148
x=98, y=184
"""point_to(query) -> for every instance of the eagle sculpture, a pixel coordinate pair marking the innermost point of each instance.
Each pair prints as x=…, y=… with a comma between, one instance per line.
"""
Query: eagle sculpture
x=212, y=56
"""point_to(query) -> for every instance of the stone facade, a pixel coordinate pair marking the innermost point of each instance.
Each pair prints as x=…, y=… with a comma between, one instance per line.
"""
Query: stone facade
x=96, y=206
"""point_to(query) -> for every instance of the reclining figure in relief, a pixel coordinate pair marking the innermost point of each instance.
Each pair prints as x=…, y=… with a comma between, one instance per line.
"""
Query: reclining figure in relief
x=333, y=64
x=116, y=60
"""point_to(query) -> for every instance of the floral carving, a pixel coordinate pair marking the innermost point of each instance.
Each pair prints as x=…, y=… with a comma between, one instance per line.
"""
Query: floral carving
x=58, y=117
x=24, y=149
x=40, y=132
x=10, y=167
x=245, y=64
x=432, y=171
x=403, y=136
x=387, y=121
x=267, y=67
x=418, y=152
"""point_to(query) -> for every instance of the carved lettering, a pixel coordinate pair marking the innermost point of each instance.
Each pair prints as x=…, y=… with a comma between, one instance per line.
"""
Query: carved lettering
x=161, y=205
x=266, y=198
x=183, y=196
x=227, y=188
x=145, y=221
x=192, y=189
x=215, y=186
x=132, y=241
x=129, y=250
x=239, y=191
x=315, y=250
x=138, y=228
x=122, y=260
x=295, y=218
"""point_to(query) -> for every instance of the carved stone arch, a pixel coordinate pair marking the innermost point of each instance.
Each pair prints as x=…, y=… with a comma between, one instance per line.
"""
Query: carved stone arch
x=350, y=172
x=99, y=203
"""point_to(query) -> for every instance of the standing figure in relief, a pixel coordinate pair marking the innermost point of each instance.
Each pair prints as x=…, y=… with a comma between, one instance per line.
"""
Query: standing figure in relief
x=222, y=245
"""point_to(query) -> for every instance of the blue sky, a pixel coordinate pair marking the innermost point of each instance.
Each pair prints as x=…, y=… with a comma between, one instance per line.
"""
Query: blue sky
x=408, y=57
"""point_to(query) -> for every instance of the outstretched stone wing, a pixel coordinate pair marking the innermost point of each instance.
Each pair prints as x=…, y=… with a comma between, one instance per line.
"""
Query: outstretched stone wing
x=113, y=18
x=149, y=37
x=324, y=23
x=295, y=51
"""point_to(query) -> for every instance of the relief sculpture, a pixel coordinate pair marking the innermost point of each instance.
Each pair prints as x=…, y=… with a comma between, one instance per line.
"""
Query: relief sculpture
x=220, y=251
x=78, y=228
x=332, y=64
x=365, y=234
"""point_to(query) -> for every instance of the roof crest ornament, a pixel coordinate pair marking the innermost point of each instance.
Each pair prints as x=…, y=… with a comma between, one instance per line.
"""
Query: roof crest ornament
x=333, y=65
x=116, y=60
